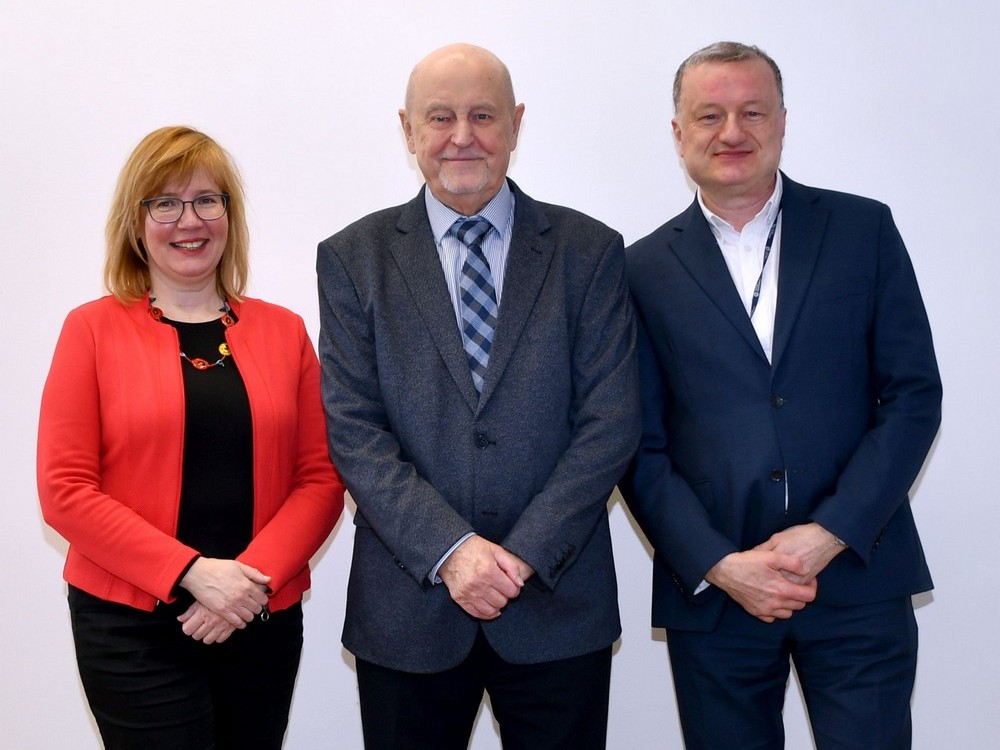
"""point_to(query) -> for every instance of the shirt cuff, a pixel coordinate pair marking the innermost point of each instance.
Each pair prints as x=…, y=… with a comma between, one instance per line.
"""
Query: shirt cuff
x=433, y=576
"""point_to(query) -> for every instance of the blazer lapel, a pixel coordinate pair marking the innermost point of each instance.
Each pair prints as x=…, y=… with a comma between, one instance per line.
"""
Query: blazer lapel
x=416, y=256
x=802, y=229
x=528, y=263
x=698, y=251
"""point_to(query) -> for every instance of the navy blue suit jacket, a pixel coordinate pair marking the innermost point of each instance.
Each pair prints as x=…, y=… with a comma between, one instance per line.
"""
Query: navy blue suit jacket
x=529, y=464
x=846, y=410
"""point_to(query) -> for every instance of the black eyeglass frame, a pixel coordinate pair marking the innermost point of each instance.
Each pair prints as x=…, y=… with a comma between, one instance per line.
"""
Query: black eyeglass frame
x=149, y=201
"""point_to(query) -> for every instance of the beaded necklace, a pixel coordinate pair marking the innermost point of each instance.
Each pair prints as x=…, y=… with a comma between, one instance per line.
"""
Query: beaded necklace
x=197, y=362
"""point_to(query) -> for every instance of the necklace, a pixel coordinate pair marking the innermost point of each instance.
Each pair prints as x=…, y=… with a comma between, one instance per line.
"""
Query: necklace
x=197, y=362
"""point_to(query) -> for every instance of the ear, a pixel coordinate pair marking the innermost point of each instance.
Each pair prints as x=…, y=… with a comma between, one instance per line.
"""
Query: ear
x=516, y=124
x=676, y=127
x=404, y=121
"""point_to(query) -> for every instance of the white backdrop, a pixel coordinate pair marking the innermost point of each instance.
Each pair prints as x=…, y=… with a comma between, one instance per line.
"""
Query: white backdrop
x=896, y=100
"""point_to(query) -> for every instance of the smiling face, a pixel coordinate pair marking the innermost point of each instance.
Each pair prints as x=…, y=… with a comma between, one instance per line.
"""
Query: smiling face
x=729, y=129
x=184, y=255
x=461, y=123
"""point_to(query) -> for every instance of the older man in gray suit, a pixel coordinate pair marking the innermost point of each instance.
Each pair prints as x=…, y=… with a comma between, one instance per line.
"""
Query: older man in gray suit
x=480, y=383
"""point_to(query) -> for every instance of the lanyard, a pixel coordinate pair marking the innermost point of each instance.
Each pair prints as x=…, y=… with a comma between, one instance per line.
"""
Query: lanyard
x=767, y=252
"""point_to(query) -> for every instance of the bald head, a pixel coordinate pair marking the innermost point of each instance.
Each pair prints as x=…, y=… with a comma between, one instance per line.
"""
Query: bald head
x=466, y=56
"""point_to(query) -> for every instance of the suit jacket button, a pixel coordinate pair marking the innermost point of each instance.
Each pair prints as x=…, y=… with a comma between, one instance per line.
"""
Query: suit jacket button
x=481, y=440
x=777, y=475
x=777, y=402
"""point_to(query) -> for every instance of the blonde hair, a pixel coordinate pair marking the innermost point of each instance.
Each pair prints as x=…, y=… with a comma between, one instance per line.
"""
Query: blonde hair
x=171, y=153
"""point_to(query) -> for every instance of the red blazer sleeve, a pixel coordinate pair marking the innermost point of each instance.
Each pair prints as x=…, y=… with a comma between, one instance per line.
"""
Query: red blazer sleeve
x=81, y=449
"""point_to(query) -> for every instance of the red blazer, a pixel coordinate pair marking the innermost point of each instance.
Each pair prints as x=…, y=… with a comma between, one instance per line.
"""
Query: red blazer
x=111, y=441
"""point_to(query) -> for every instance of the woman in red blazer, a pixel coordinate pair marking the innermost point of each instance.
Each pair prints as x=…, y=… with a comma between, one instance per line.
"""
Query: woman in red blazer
x=182, y=453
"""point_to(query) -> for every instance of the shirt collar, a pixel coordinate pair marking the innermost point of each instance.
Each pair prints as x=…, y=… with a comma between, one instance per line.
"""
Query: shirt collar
x=497, y=212
x=767, y=213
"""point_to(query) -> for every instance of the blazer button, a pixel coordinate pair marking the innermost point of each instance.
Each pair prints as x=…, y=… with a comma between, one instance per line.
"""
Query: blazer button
x=777, y=475
x=878, y=541
x=482, y=441
x=777, y=402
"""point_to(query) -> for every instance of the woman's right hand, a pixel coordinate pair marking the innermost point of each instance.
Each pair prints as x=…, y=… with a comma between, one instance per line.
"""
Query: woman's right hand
x=233, y=590
x=204, y=625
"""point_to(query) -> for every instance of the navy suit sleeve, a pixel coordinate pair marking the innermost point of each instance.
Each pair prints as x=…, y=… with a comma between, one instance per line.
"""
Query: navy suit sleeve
x=662, y=502
x=907, y=411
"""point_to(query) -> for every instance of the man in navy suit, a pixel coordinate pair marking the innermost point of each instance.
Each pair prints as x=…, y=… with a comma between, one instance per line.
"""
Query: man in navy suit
x=481, y=387
x=790, y=397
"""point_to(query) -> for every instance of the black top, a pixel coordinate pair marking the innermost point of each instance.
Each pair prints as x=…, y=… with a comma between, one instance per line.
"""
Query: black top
x=216, y=509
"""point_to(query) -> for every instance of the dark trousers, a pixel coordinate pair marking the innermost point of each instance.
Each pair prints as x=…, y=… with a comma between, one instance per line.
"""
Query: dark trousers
x=555, y=705
x=151, y=687
x=856, y=666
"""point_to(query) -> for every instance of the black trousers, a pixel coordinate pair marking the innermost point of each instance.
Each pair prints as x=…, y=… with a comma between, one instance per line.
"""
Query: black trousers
x=151, y=687
x=558, y=705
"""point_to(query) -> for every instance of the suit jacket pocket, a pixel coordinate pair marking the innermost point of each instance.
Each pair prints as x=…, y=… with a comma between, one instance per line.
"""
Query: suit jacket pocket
x=843, y=289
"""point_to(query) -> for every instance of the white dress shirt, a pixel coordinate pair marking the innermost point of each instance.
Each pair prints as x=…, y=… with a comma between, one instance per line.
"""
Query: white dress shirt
x=744, y=256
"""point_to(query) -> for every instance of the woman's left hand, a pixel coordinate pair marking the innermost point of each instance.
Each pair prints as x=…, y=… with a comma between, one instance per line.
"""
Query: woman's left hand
x=232, y=589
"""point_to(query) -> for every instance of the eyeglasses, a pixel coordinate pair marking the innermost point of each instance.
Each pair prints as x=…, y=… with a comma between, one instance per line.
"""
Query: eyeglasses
x=168, y=210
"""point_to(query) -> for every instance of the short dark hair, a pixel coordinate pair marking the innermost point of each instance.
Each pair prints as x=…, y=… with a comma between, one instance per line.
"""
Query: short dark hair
x=727, y=52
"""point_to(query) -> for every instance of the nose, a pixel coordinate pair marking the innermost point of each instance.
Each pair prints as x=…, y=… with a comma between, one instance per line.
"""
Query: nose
x=188, y=215
x=732, y=130
x=461, y=135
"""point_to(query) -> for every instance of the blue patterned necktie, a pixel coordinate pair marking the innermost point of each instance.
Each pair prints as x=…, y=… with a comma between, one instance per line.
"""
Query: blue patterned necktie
x=478, y=297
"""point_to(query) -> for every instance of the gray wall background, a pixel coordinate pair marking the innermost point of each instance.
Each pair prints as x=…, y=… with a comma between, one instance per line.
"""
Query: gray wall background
x=896, y=100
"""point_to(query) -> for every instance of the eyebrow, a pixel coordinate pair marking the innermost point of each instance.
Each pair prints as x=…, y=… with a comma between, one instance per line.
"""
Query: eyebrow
x=747, y=103
x=199, y=194
x=435, y=106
